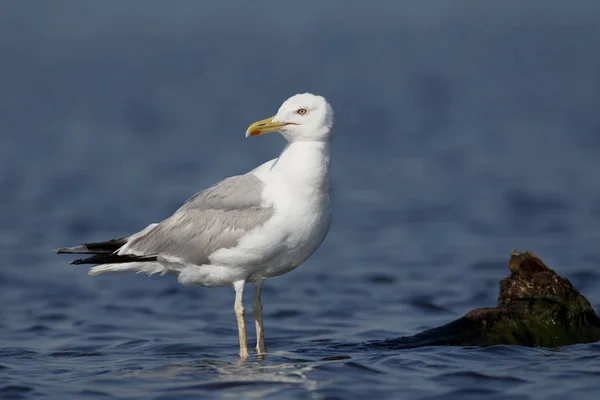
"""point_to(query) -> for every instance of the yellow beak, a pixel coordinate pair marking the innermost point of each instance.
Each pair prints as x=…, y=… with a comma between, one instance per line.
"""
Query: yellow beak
x=263, y=126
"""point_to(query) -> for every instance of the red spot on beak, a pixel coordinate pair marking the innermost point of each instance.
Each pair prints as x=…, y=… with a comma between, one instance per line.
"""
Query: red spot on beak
x=255, y=133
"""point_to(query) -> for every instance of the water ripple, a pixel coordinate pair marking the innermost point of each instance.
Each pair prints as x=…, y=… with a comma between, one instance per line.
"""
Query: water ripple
x=462, y=132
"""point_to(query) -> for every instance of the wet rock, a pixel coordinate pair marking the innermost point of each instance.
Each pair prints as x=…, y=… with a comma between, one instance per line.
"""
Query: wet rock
x=536, y=307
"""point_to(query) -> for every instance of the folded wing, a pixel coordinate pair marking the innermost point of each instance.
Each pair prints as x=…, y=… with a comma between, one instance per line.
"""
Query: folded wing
x=213, y=219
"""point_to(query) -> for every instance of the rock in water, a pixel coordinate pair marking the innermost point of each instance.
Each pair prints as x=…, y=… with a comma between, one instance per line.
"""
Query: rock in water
x=536, y=307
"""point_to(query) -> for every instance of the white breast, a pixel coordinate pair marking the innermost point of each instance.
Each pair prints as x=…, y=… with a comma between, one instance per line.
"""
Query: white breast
x=301, y=225
x=298, y=187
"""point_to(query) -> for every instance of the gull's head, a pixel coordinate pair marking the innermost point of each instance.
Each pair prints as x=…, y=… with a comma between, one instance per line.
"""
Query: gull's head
x=303, y=117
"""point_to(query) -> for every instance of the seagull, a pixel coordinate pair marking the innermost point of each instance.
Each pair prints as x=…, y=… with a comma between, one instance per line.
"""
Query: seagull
x=246, y=228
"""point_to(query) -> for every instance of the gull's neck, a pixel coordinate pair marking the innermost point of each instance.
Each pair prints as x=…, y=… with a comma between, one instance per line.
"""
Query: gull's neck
x=304, y=164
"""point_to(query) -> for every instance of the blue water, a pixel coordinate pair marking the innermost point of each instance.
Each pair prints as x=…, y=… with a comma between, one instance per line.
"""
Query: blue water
x=463, y=130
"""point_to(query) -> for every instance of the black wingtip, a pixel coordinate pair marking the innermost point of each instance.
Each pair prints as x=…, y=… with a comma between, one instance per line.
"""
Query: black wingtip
x=107, y=247
x=113, y=259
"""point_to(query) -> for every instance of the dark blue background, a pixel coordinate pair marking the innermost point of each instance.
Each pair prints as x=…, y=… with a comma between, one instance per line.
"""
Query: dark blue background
x=464, y=129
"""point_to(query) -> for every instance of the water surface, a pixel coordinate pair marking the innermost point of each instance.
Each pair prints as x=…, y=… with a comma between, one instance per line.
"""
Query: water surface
x=462, y=131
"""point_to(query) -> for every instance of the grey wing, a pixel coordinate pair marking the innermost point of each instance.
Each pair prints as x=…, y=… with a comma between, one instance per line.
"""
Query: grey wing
x=213, y=219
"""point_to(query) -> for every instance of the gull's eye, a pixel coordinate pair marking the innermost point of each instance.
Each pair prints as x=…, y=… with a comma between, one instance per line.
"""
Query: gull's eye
x=301, y=111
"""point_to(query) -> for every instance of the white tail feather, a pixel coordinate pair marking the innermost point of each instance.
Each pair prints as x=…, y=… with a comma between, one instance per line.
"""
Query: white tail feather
x=137, y=267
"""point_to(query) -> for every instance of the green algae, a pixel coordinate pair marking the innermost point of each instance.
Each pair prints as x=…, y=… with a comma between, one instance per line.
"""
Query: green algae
x=536, y=307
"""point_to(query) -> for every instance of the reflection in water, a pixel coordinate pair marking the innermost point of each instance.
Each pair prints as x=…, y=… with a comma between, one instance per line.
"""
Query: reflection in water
x=255, y=378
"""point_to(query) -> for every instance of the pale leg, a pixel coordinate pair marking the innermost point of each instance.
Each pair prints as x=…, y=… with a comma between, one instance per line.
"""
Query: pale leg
x=257, y=310
x=239, y=314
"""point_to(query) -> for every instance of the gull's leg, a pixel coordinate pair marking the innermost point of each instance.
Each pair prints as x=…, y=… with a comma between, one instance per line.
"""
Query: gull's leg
x=239, y=314
x=257, y=310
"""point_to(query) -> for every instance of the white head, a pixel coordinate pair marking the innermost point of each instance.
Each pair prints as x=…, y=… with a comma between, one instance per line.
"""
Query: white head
x=303, y=117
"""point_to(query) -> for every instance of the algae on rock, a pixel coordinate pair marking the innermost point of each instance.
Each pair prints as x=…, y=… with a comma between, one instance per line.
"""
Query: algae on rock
x=536, y=307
